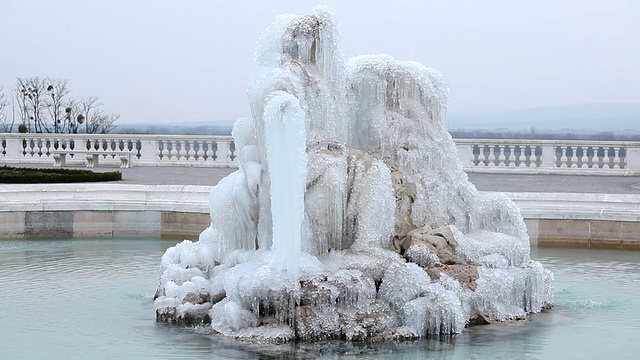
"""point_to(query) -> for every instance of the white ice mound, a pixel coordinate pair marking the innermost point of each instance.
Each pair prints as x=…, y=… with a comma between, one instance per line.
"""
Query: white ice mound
x=349, y=216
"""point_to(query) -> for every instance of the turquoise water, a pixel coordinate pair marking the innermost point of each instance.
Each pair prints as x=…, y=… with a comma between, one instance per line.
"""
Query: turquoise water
x=76, y=299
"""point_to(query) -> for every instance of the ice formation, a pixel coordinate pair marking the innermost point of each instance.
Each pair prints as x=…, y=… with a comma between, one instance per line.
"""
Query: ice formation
x=349, y=216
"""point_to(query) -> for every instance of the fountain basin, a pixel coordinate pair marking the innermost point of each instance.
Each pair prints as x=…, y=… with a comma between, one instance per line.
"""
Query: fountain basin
x=98, y=303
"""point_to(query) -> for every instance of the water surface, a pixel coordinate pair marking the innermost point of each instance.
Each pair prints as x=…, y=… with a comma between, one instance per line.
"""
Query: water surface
x=64, y=299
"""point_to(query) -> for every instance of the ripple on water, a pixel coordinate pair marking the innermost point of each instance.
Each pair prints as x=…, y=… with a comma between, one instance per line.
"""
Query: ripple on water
x=65, y=298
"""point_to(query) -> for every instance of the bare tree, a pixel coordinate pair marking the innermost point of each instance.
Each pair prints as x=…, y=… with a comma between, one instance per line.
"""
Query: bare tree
x=73, y=117
x=96, y=120
x=29, y=93
x=57, y=92
x=6, y=125
x=89, y=106
x=44, y=105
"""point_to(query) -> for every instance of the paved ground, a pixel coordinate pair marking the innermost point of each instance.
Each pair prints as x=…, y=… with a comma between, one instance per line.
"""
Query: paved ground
x=485, y=182
x=557, y=183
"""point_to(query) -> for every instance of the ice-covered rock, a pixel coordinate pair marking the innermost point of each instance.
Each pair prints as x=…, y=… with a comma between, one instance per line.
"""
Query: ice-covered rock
x=349, y=216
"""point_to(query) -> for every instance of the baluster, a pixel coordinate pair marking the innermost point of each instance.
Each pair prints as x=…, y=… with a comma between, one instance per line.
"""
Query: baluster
x=33, y=143
x=43, y=147
x=23, y=145
x=595, y=158
x=48, y=147
x=159, y=149
x=200, y=152
x=191, y=153
x=209, y=154
x=523, y=156
x=563, y=158
x=93, y=144
x=585, y=158
x=492, y=156
x=37, y=147
x=29, y=147
x=512, y=156
x=481, y=157
x=173, y=154
x=474, y=157
x=166, y=152
x=223, y=152
x=233, y=151
x=605, y=157
x=574, y=157
x=616, y=158
x=501, y=157
x=183, y=151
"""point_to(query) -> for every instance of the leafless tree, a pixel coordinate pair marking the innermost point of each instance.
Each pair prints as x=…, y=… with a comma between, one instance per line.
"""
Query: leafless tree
x=29, y=94
x=56, y=98
x=73, y=117
x=45, y=105
x=96, y=120
x=6, y=125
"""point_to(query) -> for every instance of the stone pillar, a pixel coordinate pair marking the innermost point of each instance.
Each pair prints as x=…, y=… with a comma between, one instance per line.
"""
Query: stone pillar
x=465, y=155
x=223, y=152
x=548, y=156
x=633, y=158
x=13, y=149
x=148, y=152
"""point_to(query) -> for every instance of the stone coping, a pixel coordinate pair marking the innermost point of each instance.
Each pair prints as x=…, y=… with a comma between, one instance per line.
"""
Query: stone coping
x=104, y=197
x=195, y=199
x=182, y=211
x=575, y=206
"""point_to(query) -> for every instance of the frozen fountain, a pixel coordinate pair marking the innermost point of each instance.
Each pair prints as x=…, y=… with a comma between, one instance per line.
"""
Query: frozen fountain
x=349, y=216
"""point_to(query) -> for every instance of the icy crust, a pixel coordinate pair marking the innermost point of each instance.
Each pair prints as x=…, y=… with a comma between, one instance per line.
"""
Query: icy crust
x=350, y=216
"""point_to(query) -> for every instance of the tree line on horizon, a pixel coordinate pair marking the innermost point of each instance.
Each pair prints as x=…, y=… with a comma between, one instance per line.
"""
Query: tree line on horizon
x=534, y=134
x=46, y=105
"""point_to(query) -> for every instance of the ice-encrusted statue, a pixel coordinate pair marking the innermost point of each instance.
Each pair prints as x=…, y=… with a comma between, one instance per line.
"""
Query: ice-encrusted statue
x=349, y=216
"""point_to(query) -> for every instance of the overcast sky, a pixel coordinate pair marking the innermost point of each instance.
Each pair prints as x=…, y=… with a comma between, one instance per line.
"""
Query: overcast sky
x=169, y=61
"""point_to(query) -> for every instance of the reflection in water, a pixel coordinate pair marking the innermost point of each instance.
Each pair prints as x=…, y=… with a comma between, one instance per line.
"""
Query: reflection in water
x=78, y=298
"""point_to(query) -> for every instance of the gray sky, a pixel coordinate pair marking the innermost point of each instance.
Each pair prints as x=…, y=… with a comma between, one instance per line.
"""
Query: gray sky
x=164, y=61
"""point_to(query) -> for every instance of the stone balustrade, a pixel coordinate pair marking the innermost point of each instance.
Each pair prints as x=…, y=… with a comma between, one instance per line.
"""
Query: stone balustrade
x=549, y=156
x=148, y=150
x=476, y=155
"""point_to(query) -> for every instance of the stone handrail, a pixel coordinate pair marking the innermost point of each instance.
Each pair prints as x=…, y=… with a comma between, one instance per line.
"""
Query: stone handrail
x=476, y=155
x=549, y=156
x=148, y=150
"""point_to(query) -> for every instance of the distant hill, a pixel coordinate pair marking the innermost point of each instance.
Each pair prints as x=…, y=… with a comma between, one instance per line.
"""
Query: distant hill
x=587, y=118
x=590, y=117
x=222, y=127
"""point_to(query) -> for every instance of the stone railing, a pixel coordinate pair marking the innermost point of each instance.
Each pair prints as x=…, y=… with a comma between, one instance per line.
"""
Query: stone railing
x=148, y=150
x=549, y=156
x=476, y=155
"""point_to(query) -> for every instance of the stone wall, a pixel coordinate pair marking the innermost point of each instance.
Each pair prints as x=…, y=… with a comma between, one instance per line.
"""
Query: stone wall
x=584, y=233
x=182, y=211
x=90, y=224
